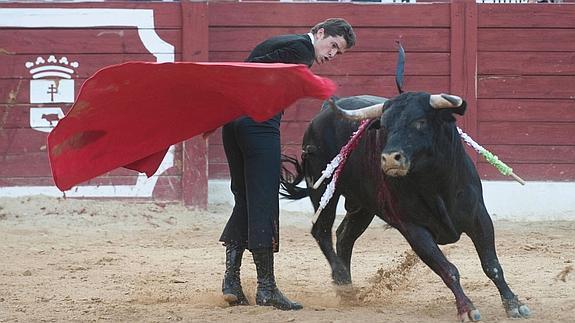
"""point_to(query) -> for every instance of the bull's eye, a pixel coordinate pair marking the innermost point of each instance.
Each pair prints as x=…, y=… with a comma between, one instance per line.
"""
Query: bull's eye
x=419, y=124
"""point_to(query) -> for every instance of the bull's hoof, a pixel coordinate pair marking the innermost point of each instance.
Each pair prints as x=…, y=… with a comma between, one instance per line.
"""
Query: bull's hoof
x=341, y=277
x=516, y=309
x=347, y=294
x=472, y=315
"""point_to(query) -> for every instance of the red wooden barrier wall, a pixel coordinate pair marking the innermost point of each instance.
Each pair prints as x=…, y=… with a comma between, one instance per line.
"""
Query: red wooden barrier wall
x=513, y=64
x=526, y=97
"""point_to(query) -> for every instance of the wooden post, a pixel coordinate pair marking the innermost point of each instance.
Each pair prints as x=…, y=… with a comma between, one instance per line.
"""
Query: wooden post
x=195, y=150
x=464, y=61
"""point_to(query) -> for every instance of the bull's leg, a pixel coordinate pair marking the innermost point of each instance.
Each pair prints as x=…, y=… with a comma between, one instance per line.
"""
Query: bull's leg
x=321, y=231
x=484, y=240
x=421, y=241
x=352, y=227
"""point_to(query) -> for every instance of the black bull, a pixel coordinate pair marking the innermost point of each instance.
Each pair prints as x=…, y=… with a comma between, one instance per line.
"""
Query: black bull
x=411, y=170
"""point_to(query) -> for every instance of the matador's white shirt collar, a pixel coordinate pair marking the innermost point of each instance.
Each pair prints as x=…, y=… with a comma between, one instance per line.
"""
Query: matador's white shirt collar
x=312, y=38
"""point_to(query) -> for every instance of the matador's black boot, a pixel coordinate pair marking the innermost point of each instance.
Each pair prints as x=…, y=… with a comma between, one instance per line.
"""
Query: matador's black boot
x=231, y=285
x=267, y=293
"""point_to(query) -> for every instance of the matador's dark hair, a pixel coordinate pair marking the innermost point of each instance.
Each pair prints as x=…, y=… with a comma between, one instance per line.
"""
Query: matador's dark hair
x=336, y=27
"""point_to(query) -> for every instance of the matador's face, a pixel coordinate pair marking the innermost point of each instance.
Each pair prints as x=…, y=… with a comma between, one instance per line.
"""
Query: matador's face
x=327, y=47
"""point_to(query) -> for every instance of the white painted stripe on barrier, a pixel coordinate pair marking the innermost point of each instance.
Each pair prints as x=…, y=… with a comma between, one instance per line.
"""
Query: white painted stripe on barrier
x=143, y=19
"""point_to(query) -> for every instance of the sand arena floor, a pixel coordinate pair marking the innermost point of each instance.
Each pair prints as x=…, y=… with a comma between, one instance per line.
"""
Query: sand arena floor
x=78, y=260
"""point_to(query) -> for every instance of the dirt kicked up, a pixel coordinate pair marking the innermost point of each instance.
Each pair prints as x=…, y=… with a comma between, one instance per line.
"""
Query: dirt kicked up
x=78, y=260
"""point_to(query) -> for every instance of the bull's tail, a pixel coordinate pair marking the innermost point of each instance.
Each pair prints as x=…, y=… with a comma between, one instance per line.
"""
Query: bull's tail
x=290, y=180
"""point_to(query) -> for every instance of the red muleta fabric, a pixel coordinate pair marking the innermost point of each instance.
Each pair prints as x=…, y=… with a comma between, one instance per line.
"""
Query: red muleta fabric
x=128, y=115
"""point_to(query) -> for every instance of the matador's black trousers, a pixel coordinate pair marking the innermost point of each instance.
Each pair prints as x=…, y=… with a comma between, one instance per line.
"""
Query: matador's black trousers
x=253, y=150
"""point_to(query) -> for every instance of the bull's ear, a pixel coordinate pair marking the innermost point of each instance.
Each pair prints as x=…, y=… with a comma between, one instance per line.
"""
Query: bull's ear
x=448, y=105
x=447, y=114
x=460, y=109
x=451, y=103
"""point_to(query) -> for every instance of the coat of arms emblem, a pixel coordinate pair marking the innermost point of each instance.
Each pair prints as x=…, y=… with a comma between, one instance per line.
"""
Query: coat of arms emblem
x=51, y=84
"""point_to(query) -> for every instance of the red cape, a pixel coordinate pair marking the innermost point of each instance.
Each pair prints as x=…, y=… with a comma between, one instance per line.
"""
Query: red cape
x=128, y=115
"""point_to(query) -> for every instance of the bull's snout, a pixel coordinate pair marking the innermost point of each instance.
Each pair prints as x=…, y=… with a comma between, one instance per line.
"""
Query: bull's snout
x=394, y=163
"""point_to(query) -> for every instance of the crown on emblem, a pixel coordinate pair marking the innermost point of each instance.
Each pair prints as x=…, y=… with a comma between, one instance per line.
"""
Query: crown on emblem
x=52, y=67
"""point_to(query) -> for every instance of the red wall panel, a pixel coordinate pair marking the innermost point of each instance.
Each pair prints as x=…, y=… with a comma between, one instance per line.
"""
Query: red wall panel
x=526, y=101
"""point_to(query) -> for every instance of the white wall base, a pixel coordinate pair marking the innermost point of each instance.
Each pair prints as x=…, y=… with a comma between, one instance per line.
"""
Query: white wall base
x=532, y=202
x=535, y=201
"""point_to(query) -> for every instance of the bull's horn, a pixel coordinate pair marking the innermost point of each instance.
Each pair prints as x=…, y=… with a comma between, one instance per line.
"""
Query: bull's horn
x=370, y=112
x=442, y=101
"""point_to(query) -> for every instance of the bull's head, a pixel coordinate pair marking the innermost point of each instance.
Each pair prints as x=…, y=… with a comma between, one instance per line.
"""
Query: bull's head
x=415, y=124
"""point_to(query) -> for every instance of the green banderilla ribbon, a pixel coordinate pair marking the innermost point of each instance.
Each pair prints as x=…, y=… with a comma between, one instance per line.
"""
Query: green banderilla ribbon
x=491, y=158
